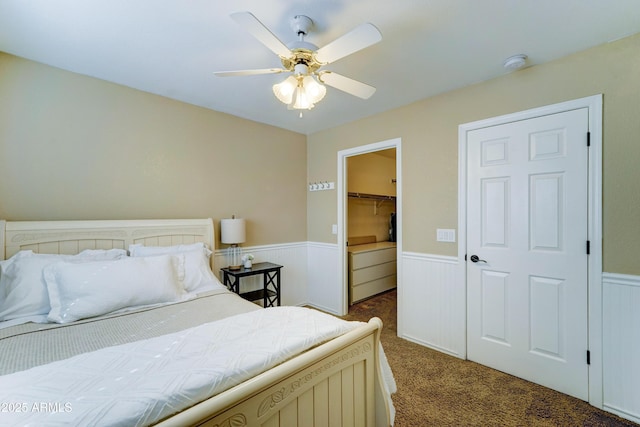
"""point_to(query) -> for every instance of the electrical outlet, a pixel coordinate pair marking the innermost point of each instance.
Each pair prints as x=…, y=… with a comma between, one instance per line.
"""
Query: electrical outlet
x=445, y=235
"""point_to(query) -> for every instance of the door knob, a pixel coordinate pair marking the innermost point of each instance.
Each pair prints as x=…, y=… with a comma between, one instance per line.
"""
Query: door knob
x=476, y=258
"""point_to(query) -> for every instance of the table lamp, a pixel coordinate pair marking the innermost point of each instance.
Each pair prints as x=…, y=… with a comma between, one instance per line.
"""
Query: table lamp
x=232, y=232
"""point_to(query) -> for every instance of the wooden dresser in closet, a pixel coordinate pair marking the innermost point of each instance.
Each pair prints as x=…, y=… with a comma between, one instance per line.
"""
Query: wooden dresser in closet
x=372, y=267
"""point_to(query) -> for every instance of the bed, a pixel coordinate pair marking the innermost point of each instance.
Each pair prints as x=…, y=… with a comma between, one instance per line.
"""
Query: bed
x=180, y=350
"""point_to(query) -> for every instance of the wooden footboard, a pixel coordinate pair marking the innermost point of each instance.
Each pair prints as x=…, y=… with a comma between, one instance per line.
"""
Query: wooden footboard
x=335, y=384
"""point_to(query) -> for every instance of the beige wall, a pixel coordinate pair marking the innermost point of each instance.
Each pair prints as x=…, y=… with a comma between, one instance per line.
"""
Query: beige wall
x=74, y=147
x=429, y=132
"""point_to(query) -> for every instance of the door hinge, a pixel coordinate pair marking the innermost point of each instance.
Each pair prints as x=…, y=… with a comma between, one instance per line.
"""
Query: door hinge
x=465, y=257
x=588, y=139
x=588, y=357
x=588, y=247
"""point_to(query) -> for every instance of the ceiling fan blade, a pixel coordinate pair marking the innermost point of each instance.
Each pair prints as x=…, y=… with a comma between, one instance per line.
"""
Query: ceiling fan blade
x=250, y=23
x=360, y=37
x=345, y=84
x=249, y=72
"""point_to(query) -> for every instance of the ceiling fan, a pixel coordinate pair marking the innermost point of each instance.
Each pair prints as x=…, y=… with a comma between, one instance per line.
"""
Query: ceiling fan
x=304, y=60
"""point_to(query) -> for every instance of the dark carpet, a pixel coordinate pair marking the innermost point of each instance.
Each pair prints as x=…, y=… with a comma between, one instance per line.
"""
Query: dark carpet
x=435, y=389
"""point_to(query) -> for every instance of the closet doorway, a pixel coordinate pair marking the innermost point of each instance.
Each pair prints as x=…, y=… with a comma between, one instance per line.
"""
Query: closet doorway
x=369, y=191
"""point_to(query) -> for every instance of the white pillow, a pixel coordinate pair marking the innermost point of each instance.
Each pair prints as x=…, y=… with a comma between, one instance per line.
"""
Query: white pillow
x=23, y=292
x=78, y=291
x=198, y=274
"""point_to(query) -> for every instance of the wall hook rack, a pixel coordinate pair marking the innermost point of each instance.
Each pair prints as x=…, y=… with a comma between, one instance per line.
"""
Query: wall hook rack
x=321, y=185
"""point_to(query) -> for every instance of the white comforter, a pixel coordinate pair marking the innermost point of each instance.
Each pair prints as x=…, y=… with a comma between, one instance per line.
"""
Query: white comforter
x=145, y=381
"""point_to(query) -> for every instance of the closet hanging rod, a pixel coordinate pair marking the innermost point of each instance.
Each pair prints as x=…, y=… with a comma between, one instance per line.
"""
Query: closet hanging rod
x=371, y=196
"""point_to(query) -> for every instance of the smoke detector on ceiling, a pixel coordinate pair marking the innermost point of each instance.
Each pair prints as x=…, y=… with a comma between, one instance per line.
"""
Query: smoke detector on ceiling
x=515, y=62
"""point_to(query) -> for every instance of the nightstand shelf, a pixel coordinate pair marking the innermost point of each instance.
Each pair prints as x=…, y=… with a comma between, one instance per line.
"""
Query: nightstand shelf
x=270, y=292
x=259, y=295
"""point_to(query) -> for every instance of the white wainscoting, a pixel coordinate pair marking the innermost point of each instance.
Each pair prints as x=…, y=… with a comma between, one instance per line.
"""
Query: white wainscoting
x=325, y=291
x=431, y=297
x=293, y=258
x=433, y=303
x=309, y=273
x=621, y=345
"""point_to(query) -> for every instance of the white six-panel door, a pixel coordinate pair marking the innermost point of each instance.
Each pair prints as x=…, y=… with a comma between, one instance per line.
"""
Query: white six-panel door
x=527, y=223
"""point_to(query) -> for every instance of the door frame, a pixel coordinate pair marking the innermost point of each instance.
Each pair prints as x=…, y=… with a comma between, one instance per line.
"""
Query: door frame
x=594, y=213
x=342, y=217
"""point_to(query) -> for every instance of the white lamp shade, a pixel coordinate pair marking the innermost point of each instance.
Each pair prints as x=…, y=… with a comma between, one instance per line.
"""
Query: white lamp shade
x=232, y=231
x=302, y=101
x=299, y=93
x=315, y=91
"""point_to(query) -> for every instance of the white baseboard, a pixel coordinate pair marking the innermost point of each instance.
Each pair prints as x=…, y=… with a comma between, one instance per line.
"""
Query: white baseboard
x=622, y=413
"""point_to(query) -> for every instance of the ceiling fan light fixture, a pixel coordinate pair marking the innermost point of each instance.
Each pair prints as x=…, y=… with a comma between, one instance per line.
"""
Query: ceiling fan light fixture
x=284, y=90
x=299, y=93
x=301, y=69
x=306, y=87
x=302, y=101
x=315, y=91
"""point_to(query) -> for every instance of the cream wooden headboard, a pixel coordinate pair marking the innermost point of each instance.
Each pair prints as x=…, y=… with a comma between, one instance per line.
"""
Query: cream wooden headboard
x=72, y=237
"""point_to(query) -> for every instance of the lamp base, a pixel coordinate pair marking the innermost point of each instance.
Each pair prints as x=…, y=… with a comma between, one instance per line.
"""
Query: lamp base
x=234, y=257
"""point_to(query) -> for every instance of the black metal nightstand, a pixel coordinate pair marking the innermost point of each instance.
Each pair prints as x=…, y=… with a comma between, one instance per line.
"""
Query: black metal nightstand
x=270, y=292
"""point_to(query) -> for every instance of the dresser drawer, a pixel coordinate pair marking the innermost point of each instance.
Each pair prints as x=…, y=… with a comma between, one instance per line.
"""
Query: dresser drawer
x=373, y=272
x=374, y=287
x=369, y=258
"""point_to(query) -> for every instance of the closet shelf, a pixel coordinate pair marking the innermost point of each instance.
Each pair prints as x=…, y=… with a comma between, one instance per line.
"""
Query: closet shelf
x=371, y=196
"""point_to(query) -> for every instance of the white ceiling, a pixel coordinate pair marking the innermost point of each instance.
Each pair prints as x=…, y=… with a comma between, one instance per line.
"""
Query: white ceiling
x=172, y=47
